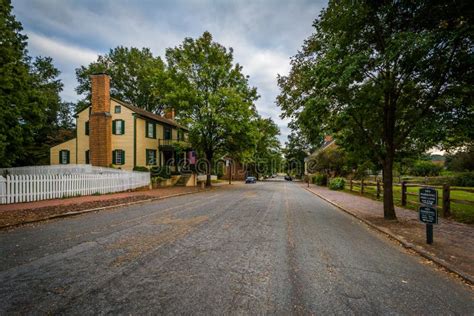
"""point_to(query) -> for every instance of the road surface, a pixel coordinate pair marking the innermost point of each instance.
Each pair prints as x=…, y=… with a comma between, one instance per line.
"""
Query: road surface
x=265, y=248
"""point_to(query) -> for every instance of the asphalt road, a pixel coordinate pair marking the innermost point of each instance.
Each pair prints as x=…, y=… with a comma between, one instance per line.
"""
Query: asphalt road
x=251, y=249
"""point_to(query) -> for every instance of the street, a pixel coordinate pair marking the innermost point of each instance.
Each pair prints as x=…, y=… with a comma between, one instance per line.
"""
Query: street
x=264, y=248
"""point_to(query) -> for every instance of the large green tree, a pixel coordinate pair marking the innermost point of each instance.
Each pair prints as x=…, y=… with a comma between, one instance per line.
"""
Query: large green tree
x=29, y=97
x=386, y=77
x=136, y=76
x=211, y=94
x=267, y=153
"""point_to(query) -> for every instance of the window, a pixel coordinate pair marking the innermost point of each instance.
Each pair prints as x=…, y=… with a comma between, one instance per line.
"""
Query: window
x=151, y=157
x=87, y=127
x=150, y=130
x=118, y=109
x=90, y=110
x=180, y=135
x=87, y=157
x=118, y=127
x=118, y=157
x=64, y=157
x=167, y=132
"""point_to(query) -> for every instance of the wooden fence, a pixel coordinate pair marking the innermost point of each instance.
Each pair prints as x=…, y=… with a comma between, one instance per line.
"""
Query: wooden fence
x=36, y=187
x=445, y=197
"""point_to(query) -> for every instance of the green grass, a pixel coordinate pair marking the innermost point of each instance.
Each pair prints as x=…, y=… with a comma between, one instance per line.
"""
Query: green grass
x=460, y=212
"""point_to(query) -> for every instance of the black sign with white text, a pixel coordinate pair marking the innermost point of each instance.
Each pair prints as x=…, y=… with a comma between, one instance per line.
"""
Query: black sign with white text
x=428, y=196
x=428, y=215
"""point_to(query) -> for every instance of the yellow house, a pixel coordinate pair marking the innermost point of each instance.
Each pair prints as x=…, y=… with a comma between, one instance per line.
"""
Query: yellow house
x=114, y=133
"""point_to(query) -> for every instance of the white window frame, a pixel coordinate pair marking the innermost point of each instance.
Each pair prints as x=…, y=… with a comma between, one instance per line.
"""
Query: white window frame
x=118, y=127
x=64, y=154
x=119, y=157
x=150, y=130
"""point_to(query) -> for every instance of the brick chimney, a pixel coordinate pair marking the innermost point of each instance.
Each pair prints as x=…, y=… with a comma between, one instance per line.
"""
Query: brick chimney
x=169, y=114
x=100, y=122
x=327, y=138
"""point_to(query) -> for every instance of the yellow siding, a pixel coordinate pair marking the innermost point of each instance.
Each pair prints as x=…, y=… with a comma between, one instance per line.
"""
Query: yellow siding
x=82, y=138
x=144, y=143
x=69, y=145
x=125, y=141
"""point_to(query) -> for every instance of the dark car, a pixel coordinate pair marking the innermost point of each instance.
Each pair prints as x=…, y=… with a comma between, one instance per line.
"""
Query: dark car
x=250, y=180
x=288, y=178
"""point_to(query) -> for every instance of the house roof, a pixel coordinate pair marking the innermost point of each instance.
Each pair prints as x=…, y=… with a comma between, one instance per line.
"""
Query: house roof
x=149, y=115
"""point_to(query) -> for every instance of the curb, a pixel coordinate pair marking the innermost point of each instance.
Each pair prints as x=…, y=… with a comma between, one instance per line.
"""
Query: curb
x=101, y=208
x=449, y=267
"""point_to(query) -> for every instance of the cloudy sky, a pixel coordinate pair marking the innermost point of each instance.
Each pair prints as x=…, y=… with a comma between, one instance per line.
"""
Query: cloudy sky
x=263, y=34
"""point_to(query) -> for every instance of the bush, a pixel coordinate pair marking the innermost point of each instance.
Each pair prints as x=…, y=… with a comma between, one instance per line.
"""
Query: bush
x=162, y=172
x=141, y=168
x=320, y=179
x=464, y=179
x=337, y=184
x=424, y=168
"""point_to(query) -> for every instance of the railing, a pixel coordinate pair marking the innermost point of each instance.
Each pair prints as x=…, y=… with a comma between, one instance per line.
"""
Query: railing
x=68, y=183
x=57, y=169
x=445, y=190
x=171, y=142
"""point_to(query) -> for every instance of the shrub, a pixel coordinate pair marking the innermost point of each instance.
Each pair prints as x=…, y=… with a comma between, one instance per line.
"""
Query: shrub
x=337, y=184
x=162, y=172
x=463, y=179
x=425, y=168
x=140, y=168
x=320, y=179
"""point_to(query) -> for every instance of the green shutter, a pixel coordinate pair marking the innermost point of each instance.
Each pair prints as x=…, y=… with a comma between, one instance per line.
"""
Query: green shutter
x=60, y=154
x=113, y=127
x=113, y=157
x=146, y=128
x=123, y=157
x=123, y=127
x=87, y=128
x=154, y=130
x=67, y=156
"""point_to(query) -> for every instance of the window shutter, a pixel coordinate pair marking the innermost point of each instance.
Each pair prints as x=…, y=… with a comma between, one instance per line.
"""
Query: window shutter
x=67, y=156
x=113, y=157
x=113, y=127
x=154, y=130
x=87, y=128
x=123, y=127
x=123, y=157
x=60, y=156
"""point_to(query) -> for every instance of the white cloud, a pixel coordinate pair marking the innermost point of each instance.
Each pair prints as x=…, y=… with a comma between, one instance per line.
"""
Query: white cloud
x=61, y=52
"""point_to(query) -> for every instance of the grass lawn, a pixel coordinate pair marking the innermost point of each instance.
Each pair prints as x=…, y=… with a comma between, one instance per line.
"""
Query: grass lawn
x=461, y=213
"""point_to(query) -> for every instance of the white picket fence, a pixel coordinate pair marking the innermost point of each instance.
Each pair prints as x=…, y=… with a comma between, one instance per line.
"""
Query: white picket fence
x=58, y=169
x=36, y=187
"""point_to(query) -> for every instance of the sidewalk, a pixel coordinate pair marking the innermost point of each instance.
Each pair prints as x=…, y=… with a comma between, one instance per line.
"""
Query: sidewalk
x=19, y=213
x=453, y=245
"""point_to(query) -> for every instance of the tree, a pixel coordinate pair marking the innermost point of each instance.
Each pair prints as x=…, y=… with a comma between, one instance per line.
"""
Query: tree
x=136, y=77
x=29, y=97
x=462, y=160
x=212, y=95
x=386, y=77
x=267, y=155
x=295, y=152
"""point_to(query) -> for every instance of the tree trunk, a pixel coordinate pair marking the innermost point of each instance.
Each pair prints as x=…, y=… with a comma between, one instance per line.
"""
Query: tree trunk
x=388, y=208
x=209, y=155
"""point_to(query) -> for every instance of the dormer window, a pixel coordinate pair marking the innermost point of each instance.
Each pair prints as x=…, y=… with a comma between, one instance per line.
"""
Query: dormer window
x=118, y=109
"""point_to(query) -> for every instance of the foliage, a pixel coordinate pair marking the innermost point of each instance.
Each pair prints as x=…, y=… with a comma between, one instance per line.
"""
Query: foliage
x=329, y=161
x=463, y=179
x=337, y=184
x=30, y=105
x=267, y=156
x=162, y=172
x=213, y=96
x=461, y=160
x=320, y=179
x=295, y=152
x=141, y=169
x=136, y=77
x=385, y=78
x=425, y=168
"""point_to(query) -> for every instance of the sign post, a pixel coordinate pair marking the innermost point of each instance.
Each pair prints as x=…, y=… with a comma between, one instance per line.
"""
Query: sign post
x=428, y=213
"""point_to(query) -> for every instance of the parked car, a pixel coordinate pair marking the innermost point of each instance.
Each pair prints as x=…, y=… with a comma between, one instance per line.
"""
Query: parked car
x=250, y=180
x=288, y=178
